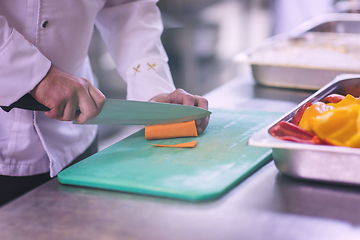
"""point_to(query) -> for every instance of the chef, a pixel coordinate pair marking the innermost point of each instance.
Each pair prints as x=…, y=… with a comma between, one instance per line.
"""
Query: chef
x=43, y=51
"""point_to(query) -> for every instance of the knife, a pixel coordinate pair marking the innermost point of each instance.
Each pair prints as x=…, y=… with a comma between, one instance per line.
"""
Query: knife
x=125, y=112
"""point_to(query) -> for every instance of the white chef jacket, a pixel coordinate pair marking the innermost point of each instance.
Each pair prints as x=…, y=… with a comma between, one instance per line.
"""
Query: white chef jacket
x=36, y=33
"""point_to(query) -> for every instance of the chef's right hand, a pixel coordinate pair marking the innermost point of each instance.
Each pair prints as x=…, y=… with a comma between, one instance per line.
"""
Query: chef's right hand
x=64, y=93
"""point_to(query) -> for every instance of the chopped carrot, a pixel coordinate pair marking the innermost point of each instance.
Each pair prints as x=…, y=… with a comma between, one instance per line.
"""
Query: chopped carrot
x=173, y=130
x=180, y=145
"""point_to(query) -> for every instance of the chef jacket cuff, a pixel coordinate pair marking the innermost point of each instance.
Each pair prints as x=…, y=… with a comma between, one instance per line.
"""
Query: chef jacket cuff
x=147, y=78
x=22, y=67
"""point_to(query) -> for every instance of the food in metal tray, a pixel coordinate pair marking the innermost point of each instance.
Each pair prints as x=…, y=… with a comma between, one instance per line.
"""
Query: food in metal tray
x=334, y=121
x=309, y=56
x=333, y=51
x=335, y=164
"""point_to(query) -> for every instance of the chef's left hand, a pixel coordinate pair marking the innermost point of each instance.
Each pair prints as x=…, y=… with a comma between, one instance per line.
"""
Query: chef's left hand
x=179, y=96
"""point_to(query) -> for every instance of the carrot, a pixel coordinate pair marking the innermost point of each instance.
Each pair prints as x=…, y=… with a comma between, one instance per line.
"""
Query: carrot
x=173, y=130
x=180, y=145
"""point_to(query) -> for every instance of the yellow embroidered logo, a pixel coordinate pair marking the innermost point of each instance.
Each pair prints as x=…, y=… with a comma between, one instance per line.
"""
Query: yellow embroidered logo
x=152, y=66
x=136, y=69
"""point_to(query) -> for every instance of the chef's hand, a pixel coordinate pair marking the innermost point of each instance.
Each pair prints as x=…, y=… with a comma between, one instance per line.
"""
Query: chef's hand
x=63, y=93
x=179, y=96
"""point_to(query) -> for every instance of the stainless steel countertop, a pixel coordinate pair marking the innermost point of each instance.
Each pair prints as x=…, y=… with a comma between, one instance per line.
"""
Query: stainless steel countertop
x=267, y=205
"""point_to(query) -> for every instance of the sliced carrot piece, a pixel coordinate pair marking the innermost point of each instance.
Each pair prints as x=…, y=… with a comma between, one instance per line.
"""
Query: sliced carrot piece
x=173, y=130
x=180, y=145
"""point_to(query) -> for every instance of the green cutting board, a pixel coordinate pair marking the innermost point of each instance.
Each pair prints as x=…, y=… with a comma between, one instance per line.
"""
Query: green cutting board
x=221, y=160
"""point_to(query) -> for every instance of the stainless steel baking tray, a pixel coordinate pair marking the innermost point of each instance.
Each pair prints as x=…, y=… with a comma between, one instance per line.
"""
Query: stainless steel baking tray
x=315, y=162
x=308, y=56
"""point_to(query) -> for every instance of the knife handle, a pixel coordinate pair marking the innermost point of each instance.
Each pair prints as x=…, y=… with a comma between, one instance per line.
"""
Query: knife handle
x=27, y=102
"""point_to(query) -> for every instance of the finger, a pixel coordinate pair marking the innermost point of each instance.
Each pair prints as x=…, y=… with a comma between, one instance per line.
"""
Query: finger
x=57, y=111
x=203, y=124
x=188, y=100
x=179, y=96
x=84, y=115
x=51, y=113
x=90, y=103
x=98, y=97
x=88, y=109
x=202, y=102
x=70, y=111
x=163, y=98
x=199, y=121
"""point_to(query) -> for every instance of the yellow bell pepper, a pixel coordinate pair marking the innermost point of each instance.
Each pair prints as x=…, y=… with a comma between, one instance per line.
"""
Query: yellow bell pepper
x=340, y=126
x=307, y=119
x=354, y=141
x=348, y=100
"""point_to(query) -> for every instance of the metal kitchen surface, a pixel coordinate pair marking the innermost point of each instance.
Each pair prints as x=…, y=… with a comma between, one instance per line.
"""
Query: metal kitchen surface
x=266, y=205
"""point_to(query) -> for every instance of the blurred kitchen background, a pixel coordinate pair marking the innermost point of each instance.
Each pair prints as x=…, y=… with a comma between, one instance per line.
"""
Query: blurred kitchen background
x=202, y=36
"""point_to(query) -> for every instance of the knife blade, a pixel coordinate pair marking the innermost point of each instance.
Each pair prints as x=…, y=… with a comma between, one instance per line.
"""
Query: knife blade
x=125, y=112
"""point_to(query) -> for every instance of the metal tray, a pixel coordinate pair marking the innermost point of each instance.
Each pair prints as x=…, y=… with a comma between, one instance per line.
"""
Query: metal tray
x=314, y=74
x=315, y=162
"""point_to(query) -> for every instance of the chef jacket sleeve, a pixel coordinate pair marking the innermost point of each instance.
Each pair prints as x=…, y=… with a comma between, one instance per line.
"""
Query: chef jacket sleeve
x=22, y=66
x=131, y=31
